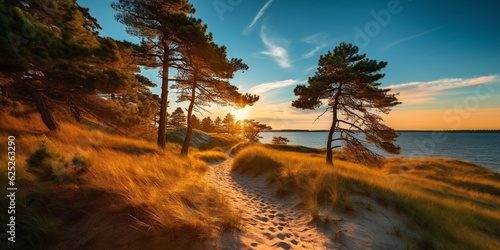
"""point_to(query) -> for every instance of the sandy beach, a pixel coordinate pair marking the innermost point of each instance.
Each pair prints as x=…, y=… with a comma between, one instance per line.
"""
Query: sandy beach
x=271, y=222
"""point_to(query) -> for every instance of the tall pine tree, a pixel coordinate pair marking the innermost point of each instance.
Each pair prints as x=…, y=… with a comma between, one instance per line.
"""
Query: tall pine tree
x=348, y=81
x=203, y=76
x=158, y=23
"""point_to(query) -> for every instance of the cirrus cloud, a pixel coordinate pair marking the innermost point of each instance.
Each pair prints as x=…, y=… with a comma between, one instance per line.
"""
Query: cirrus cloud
x=319, y=39
x=425, y=92
x=278, y=53
x=257, y=17
x=264, y=87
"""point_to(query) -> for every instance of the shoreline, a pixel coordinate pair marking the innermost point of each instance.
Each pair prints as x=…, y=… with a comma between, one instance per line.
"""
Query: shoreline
x=303, y=148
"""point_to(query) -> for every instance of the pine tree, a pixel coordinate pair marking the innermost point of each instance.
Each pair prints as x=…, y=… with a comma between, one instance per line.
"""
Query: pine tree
x=207, y=124
x=228, y=123
x=217, y=124
x=203, y=76
x=280, y=140
x=348, y=81
x=252, y=129
x=195, y=122
x=159, y=23
x=53, y=56
x=178, y=118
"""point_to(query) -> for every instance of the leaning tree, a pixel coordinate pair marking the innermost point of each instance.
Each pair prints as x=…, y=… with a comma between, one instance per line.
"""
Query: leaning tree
x=348, y=82
x=52, y=56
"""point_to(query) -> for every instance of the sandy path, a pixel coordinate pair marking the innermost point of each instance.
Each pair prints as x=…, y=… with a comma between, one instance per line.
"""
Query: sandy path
x=268, y=222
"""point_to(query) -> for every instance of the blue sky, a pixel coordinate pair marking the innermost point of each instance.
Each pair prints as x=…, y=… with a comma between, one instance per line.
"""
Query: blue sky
x=443, y=56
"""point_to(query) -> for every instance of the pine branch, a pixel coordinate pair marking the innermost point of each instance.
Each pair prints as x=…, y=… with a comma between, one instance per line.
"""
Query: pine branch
x=319, y=116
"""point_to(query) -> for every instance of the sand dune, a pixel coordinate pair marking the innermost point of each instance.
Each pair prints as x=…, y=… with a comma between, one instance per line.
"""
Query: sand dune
x=270, y=222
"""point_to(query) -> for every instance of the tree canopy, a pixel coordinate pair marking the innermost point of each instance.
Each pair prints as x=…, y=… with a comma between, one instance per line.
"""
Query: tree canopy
x=207, y=124
x=178, y=118
x=203, y=76
x=280, y=140
x=348, y=83
x=52, y=56
x=252, y=129
x=162, y=26
x=228, y=124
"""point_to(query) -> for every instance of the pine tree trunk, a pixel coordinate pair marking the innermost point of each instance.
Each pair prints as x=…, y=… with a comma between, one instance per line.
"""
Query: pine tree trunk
x=41, y=106
x=329, y=152
x=162, y=135
x=189, y=130
x=76, y=114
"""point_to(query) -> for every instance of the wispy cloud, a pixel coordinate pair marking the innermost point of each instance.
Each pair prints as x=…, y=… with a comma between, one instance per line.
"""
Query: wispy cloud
x=264, y=87
x=425, y=92
x=319, y=39
x=413, y=37
x=257, y=17
x=281, y=115
x=278, y=53
x=310, y=68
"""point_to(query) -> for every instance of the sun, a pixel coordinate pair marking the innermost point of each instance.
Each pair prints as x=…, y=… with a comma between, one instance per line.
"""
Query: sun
x=241, y=114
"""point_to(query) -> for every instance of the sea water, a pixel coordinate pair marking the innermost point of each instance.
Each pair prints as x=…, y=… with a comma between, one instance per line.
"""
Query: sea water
x=482, y=149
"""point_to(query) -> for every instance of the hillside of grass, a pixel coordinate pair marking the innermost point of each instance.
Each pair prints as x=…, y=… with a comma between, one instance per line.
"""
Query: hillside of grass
x=88, y=187
x=204, y=141
x=281, y=147
x=451, y=204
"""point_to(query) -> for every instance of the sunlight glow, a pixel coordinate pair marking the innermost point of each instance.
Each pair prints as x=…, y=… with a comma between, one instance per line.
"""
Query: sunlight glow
x=241, y=114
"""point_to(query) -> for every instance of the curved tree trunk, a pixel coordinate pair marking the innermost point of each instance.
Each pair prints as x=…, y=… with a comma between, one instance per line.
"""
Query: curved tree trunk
x=162, y=135
x=189, y=130
x=329, y=152
x=42, y=108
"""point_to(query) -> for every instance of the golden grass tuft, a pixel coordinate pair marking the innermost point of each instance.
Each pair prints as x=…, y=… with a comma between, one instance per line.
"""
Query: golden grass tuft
x=27, y=122
x=172, y=196
x=452, y=204
x=158, y=192
x=211, y=156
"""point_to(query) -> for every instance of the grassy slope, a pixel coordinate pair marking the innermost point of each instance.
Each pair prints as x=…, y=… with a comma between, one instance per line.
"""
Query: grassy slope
x=130, y=195
x=452, y=204
x=204, y=141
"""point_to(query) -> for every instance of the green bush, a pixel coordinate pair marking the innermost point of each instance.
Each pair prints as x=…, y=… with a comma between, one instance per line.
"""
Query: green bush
x=43, y=161
x=48, y=164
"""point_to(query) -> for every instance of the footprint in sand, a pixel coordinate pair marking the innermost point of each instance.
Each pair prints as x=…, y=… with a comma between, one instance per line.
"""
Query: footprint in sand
x=263, y=219
x=284, y=245
x=266, y=217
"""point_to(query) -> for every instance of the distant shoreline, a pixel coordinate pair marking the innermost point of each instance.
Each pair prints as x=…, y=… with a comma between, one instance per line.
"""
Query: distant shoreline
x=446, y=131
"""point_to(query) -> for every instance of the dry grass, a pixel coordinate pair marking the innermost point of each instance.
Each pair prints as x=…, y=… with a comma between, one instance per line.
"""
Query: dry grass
x=211, y=156
x=157, y=195
x=452, y=204
x=171, y=195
